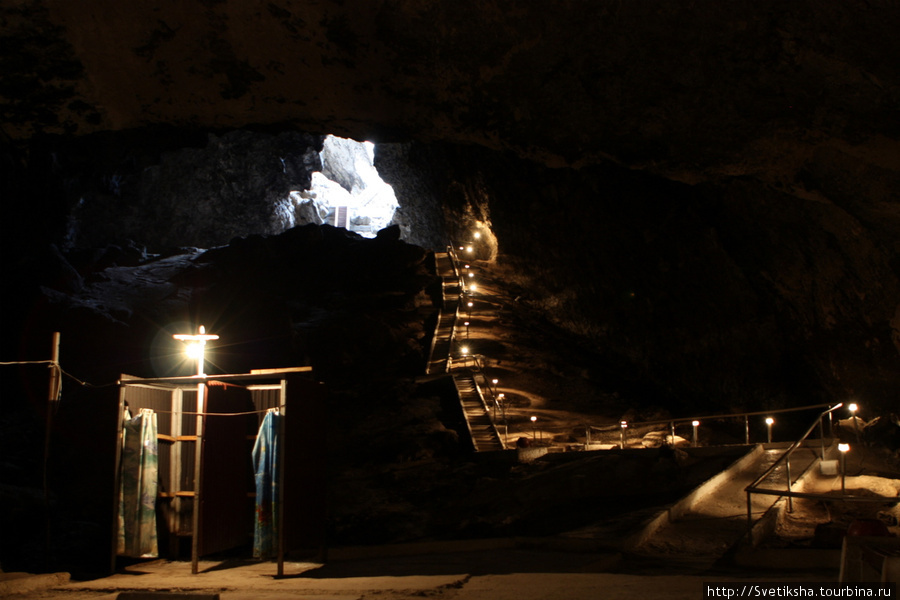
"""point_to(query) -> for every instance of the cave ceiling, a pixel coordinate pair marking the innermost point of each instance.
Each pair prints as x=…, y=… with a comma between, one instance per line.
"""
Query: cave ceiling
x=741, y=159
x=690, y=89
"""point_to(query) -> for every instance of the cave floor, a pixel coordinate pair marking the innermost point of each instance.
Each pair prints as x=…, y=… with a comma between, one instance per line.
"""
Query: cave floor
x=465, y=574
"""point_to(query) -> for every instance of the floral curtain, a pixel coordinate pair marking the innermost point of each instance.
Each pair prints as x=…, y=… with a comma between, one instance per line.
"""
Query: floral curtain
x=265, y=466
x=139, y=483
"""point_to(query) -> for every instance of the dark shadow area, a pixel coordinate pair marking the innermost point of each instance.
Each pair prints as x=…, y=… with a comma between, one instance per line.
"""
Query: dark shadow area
x=484, y=562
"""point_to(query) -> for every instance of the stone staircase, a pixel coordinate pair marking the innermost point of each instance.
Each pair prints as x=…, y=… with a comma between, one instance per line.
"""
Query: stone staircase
x=439, y=360
x=484, y=435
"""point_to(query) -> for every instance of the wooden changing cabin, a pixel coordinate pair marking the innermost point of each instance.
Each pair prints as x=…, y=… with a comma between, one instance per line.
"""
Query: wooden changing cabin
x=204, y=459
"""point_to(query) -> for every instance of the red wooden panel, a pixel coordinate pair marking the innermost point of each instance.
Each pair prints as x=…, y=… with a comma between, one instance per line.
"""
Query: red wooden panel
x=225, y=509
x=305, y=480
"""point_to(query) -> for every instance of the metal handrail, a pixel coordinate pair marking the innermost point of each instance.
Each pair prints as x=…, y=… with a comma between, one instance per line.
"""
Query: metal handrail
x=479, y=368
x=794, y=446
x=492, y=418
x=454, y=260
x=671, y=422
x=735, y=415
x=440, y=315
x=468, y=425
x=786, y=457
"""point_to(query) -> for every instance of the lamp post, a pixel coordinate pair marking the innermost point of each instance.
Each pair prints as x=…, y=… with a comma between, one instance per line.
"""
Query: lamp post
x=533, y=427
x=466, y=323
x=501, y=402
x=196, y=349
x=465, y=354
x=494, y=383
x=853, y=408
x=843, y=448
x=623, y=425
x=769, y=422
x=695, y=425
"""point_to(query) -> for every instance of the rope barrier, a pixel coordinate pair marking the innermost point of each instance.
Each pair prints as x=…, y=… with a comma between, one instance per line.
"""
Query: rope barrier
x=85, y=383
x=52, y=364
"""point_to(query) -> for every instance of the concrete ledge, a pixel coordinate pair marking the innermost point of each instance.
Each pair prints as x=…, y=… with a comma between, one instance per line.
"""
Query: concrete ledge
x=532, y=453
x=25, y=583
x=165, y=596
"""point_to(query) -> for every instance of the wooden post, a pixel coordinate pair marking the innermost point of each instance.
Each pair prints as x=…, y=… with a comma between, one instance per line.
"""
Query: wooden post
x=117, y=478
x=52, y=398
x=279, y=474
x=198, y=481
x=174, y=475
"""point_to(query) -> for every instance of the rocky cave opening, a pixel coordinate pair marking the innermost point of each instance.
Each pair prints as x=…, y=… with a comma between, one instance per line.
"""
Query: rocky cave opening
x=238, y=184
x=347, y=193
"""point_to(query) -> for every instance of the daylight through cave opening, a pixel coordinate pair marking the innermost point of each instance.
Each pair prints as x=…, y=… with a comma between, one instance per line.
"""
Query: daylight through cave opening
x=348, y=192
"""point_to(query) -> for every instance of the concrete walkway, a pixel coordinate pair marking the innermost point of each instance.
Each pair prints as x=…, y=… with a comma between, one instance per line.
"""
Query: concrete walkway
x=714, y=518
x=499, y=574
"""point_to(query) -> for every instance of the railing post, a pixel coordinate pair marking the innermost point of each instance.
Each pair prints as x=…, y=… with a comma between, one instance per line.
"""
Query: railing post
x=749, y=518
x=822, y=437
x=790, y=491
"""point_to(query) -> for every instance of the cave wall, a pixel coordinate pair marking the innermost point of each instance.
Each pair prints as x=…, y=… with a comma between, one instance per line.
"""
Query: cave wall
x=232, y=185
x=159, y=188
x=727, y=293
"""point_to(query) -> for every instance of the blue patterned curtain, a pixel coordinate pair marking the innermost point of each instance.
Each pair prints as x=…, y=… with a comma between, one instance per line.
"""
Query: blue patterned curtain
x=139, y=483
x=265, y=466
